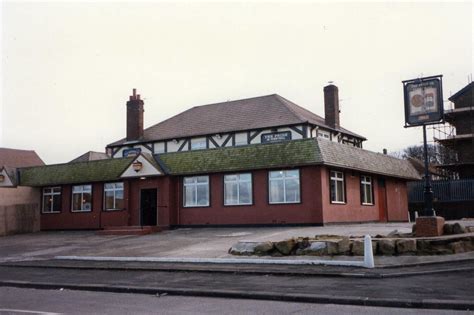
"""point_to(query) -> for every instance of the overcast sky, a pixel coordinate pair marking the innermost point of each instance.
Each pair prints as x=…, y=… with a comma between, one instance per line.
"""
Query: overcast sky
x=68, y=68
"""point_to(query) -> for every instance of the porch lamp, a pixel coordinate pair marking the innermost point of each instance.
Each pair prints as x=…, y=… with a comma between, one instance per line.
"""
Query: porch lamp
x=2, y=178
x=137, y=166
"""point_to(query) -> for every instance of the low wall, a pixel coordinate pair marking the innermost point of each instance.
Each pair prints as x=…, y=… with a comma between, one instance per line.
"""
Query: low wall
x=19, y=218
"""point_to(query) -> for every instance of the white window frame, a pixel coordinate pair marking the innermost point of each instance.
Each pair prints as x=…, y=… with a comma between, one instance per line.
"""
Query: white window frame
x=82, y=197
x=50, y=194
x=238, y=181
x=194, y=185
x=114, y=189
x=284, y=179
x=337, y=179
x=366, y=181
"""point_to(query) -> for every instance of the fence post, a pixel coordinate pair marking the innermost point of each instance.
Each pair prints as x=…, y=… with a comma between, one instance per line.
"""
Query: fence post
x=368, y=253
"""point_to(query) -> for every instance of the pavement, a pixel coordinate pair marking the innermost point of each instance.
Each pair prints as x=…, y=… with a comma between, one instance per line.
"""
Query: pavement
x=30, y=261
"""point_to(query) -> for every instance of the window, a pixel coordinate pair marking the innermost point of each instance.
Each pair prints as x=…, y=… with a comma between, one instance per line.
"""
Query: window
x=238, y=189
x=51, y=199
x=196, y=191
x=113, y=196
x=82, y=198
x=322, y=134
x=198, y=144
x=366, y=190
x=284, y=186
x=337, y=187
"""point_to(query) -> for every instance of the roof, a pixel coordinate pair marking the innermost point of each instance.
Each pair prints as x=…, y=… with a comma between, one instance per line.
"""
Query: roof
x=346, y=156
x=246, y=114
x=19, y=158
x=74, y=173
x=91, y=156
x=249, y=157
x=285, y=154
x=420, y=167
x=465, y=89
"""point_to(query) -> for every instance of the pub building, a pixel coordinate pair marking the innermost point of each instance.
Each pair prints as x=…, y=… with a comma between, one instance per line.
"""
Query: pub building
x=256, y=161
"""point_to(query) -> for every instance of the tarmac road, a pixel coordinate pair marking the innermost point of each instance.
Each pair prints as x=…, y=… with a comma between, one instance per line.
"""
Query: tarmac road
x=33, y=301
x=444, y=290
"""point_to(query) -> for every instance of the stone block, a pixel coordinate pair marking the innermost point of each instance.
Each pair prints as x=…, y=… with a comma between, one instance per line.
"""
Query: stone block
x=339, y=246
x=447, y=229
x=386, y=247
x=429, y=226
x=243, y=248
x=264, y=248
x=357, y=247
x=457, y=247
x=458, y=229
x=285, y=247
x=315, y=249
x=406, y=246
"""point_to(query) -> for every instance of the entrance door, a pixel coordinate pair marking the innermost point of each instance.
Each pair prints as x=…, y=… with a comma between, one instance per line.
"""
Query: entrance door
x=382, y=199
x=148, y=207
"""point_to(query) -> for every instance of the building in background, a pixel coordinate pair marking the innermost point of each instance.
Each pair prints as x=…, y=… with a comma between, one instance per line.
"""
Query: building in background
x=19, y=206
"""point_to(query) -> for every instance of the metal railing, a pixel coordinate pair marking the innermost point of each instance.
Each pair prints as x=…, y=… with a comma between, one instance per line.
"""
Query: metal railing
x=443, y=190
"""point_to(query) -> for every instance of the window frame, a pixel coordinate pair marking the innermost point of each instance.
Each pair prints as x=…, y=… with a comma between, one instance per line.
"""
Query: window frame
x=52, y=194
x=364, y=183
x=104, y=206
x=238, y=181
x=82, y=198
x=284, y=187
x=195, y=184
x=336, y=179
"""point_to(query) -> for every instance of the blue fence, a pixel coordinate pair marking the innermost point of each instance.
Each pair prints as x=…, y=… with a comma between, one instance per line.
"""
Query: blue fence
x=443, y=190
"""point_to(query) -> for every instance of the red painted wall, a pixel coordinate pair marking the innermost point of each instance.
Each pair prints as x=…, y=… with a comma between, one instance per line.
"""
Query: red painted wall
x=353, y=210
x=261, y=212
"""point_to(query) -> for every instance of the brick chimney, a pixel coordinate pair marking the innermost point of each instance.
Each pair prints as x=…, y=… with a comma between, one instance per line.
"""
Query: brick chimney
x=331, y=106
x=134, y=117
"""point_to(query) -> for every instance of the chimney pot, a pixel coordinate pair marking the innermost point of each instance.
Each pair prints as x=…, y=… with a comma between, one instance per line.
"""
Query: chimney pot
x=385, y=151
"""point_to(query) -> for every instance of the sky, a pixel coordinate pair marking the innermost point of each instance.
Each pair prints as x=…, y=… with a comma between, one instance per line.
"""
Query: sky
x=68, y=67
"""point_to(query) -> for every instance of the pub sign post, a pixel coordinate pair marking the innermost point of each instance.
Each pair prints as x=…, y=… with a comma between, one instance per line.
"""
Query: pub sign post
x=424, y=106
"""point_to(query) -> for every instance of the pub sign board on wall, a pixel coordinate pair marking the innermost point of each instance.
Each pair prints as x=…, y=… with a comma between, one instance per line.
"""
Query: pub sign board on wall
x=275, y=137
x=423, y=101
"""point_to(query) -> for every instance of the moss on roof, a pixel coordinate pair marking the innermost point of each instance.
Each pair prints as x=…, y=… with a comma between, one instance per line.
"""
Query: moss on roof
x=72, y=173
x=257, y=156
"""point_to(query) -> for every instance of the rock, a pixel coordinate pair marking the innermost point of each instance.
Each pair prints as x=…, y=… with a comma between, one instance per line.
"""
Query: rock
x=264, y=248
x=458, y=229
x=457, y=247
x=357, y=247
x=468, y=245
x=469, y=229
x=379, y=236
x=431, y=247
x=393, y=234
x=302, y=243
x=315, y=249
x=285, y=247
x=387, y=247
x=339, y=246
x=243, y=248
x=447, y=229
x=406, y=246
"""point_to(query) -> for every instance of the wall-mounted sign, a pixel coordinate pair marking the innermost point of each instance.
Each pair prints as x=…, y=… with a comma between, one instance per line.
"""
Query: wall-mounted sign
x=276, y=137
x=131, y=152
x=423, y=101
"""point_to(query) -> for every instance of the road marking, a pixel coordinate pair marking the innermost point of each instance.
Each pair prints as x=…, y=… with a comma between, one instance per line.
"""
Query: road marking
x=27, y=311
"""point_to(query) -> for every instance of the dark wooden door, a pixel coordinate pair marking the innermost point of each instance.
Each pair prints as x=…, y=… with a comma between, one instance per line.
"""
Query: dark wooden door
x=382, y=200
x=148, y=207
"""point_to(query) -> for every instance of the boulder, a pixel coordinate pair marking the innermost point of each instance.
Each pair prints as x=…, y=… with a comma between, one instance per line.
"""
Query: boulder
x=315, y=249
x=243, y=248
x=457, y=247
x=387, y=247
x=339, y=246
x=469, y=229
x=458, y=229
x=285, y=247
x=393, y=234
x=406, y=246
x=447, y=229
x=357, y=247
x=264, y=248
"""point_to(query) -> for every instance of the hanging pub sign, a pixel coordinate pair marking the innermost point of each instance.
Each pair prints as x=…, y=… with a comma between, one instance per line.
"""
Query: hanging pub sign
x=423, y=101
x=275, y=137
x=131, y=152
